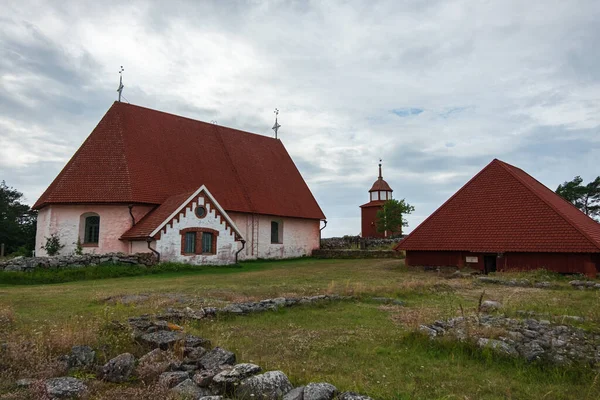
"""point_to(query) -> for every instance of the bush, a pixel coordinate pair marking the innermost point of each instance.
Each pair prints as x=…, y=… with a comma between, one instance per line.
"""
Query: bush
x=53, y=245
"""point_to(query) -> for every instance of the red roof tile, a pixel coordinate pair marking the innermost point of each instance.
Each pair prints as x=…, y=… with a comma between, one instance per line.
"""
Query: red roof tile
x=138, y=155
x=503, y=209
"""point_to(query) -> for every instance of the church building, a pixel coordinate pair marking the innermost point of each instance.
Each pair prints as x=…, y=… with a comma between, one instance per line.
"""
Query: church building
x=378, y=194
x=185, y=190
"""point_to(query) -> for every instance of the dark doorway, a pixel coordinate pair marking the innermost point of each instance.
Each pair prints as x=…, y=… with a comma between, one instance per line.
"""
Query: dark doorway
x=489, y=263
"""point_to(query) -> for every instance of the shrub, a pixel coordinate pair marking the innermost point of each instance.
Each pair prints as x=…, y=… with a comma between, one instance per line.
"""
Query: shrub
x=53, y=245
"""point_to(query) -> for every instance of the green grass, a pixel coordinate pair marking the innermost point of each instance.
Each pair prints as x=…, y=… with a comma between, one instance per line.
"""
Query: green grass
x=357, y=345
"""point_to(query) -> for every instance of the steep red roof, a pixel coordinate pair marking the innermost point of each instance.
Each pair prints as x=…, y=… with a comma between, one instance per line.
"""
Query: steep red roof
x=138, y=155
x=503, y=209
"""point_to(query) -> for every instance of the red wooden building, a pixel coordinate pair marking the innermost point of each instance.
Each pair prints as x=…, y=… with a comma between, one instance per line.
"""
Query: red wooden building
x=504, y=219
x=378, y=194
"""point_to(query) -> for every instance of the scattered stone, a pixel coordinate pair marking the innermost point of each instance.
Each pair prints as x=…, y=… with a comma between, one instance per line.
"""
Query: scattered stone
x=65, y=387
x=81, y=357
x=171, y=379
x=204, y=378
x=388, y=300
x=26, y=382
x=572, y=318
x=272, y=385
x=295, y=394
x=497, y=345
x=319, y=391
x=428, y=331
x=353, y=396
x=189, y=390
x=490, y=305
x=217, y=357
x=119, y=369
x=530, y=338
x=192, y=355
x=195, y=341
x=224, y=381
x=489, y=279
x=161, y=339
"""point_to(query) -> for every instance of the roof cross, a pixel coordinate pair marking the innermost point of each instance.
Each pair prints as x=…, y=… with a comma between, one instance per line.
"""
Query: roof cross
x=276, y=126
x=120, y=89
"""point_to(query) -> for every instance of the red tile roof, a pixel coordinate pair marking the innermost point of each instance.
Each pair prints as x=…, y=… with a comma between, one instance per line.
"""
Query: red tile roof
x=143, y=156
x=503, y=209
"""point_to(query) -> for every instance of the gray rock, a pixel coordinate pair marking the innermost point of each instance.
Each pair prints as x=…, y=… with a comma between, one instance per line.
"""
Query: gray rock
x=271, y=385
x=319, y=391
x=195, y=341
x=490, y=305
x=224, y=381
x=81, y=357
x=217, y=357
x=212, y=398
x=295, y=394
x=531, y=351
x=497, y=345
x=26, y=382
x=192, y=355
x=119, y=369
x=353, y=396
x=428, y=331
x=171, y=379
x=65, y=387
x=204, y=378
x=189, y=390
x=162, y=339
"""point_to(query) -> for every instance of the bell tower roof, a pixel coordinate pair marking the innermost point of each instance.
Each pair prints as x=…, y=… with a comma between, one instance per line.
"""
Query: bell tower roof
x=380, y=184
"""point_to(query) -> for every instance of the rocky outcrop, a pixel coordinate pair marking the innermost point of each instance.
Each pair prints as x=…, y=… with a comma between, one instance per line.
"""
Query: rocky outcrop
x=28, y=264
x=532, y=339
x=81, y=357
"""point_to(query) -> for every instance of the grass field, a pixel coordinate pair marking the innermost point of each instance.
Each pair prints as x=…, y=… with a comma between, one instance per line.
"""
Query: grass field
x=358, y=345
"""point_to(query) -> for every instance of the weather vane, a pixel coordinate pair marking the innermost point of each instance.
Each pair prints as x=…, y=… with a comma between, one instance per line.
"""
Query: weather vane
x=276, y=126
x=120, y=89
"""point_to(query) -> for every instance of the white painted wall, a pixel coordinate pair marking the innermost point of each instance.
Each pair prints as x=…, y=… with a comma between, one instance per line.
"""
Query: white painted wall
x=169, y=244
x=300, y=236
x=65, y=220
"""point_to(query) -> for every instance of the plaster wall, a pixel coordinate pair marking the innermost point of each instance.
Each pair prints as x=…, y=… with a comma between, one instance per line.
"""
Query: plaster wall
x=66, y=221
x=299, y=236
x=169, y=243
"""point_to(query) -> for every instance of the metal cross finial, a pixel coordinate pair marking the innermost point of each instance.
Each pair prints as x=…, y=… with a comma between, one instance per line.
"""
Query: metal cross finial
x=276, y=126
x=120, y=89
x=380, y=176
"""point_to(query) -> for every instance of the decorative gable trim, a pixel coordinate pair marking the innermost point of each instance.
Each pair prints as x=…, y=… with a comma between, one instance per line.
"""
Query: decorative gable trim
x=187, y=204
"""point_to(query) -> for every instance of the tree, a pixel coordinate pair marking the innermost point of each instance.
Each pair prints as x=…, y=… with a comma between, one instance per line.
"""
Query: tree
x=584, y=197
x=391, y=216
x=17, y=222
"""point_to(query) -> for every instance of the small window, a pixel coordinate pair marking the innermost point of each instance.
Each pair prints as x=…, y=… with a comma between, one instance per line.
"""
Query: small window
x=190, y=243
x=207, y=242
x=200, y=212
x=92, y=229
x=276, y=232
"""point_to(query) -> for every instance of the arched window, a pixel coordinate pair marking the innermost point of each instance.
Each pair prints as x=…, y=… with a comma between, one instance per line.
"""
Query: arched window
x=92, y=229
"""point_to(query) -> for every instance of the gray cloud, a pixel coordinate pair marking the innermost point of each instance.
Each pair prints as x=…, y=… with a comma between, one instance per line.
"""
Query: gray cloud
x=468, y=81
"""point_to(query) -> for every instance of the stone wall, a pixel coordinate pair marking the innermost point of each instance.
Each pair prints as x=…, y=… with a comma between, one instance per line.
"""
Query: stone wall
x=357, y=242
x=29, y=264
x=333, y=253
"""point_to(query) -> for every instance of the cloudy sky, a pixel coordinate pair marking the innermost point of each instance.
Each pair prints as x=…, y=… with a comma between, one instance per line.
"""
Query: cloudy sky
x=437, y=89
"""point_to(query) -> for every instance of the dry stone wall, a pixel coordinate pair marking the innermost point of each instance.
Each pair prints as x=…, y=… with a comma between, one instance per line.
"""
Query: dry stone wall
x=29, y=264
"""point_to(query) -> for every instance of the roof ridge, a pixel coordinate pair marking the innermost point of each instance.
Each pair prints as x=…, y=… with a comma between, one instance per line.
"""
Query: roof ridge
x=446, y=202
x=192, y=119
x=507, y=167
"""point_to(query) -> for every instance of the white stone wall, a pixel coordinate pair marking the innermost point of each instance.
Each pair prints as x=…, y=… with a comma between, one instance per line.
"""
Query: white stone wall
x=169, y=244
x=65, y=221
x=300, y=236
